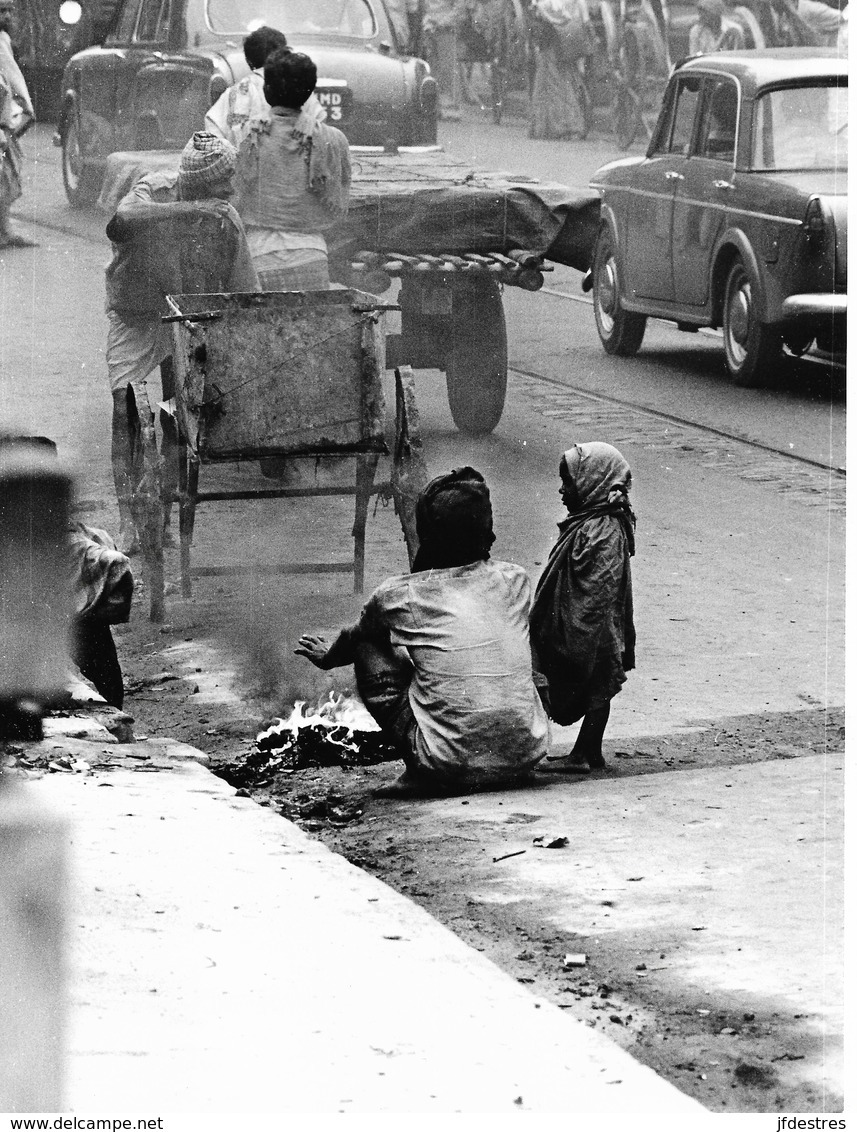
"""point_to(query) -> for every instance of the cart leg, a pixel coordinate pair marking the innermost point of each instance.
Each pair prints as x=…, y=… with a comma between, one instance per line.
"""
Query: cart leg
x=146, y=506
x=188, y=484
x=409, y=467
x=366, y=466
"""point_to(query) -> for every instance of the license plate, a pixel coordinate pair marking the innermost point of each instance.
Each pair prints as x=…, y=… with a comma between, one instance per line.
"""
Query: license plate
x=336, y=101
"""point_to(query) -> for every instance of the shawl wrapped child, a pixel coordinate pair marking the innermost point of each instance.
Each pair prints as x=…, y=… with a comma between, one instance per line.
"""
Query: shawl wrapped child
x=582, y=622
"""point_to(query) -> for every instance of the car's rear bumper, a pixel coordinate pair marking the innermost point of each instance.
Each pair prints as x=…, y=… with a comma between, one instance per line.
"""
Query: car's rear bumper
x=826, y=305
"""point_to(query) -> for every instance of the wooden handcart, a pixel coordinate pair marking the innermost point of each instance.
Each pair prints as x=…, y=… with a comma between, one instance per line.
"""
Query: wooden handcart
x=280, y=375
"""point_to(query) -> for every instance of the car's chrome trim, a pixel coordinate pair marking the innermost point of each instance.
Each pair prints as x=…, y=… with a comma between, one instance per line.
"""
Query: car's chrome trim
x=671, y=197
x=802, y=306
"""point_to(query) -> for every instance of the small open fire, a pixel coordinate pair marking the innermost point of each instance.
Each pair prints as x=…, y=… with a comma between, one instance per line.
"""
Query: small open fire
x=336, y=732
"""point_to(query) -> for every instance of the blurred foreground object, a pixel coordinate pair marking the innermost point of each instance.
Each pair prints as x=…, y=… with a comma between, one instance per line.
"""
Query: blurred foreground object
x=32, y=975
x=34, y=609
x=34, y=591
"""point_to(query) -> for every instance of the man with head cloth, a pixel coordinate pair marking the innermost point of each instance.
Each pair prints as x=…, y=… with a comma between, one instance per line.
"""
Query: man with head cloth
x=442, y=655
x=159, y=249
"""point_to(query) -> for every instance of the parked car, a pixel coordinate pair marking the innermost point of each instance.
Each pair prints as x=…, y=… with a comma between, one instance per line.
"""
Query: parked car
x=164, y=62
x=737, y=214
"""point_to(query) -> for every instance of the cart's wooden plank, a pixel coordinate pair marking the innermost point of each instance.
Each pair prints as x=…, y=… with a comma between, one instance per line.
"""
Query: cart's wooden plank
x=430, y=203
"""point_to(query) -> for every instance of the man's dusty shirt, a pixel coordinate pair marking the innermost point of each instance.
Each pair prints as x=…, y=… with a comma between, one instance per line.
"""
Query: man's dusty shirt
x=472, y=693
x=145, y=268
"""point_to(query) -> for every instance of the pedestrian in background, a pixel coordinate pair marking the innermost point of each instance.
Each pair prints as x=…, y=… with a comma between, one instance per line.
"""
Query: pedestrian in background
x=563, y=37
x=292, y=180
x=582, y=623
x=705, y=35
x=16, y=116
x=441, y=20
x=244, y=103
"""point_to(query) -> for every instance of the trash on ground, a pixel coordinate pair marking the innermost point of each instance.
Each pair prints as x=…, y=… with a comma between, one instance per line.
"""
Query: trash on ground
x=574, y=959
x=547, y=842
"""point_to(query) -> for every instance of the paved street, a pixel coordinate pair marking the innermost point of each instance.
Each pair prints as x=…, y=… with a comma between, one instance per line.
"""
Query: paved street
x=740, y=602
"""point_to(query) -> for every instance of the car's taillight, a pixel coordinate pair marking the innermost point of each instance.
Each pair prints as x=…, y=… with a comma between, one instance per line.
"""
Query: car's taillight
x=428, y=96
x=814, y=222
x=217, y=84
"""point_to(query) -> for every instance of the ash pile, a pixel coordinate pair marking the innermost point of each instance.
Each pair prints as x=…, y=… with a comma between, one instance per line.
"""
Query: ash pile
x=339, y=732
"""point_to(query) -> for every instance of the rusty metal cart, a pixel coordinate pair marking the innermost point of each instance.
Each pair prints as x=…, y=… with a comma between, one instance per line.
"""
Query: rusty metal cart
x=288, y=374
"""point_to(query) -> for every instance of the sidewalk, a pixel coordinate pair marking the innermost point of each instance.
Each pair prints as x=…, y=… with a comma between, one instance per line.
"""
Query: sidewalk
x=221, y=960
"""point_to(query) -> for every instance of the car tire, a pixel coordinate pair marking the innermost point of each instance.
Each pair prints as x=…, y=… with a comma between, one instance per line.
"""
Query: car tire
x=751, y=347
x=477, y=359
x=621, y=332
x=82, y=184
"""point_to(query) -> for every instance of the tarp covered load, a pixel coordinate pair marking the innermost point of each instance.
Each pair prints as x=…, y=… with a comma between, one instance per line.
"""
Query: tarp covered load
x=429, y=203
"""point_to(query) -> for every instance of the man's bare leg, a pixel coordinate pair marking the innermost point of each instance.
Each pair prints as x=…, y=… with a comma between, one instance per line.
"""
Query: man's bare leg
x=121, y=458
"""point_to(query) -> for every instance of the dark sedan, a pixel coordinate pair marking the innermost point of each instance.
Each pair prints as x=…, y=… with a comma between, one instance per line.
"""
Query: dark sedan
x=164, y=62
x=737, y=214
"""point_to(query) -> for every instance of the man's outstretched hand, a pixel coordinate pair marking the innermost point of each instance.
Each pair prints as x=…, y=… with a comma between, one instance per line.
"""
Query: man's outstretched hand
x=314, y=648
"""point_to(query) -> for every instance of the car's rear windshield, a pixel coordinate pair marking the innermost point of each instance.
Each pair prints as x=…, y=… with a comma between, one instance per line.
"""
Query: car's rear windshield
x=351, y=18
x=801, y=127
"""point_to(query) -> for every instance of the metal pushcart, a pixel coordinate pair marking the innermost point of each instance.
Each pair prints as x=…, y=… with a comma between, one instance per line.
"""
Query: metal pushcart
x=261, y=376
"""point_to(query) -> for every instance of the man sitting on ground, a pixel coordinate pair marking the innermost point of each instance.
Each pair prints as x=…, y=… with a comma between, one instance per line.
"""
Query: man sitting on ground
x=159, y=248
x=442, y=655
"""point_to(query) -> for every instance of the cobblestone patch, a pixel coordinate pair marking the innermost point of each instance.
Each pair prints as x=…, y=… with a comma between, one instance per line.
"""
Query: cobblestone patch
x=628, y=425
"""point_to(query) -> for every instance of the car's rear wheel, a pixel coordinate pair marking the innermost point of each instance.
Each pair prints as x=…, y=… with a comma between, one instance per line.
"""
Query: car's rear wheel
x=621, y=332
x=751, y=347
x=82, y=183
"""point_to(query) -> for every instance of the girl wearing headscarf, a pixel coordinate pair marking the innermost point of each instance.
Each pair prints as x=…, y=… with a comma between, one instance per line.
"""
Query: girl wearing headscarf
x=582, y=622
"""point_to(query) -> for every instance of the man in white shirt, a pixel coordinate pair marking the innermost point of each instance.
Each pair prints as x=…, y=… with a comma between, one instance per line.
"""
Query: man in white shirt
x=442, y=655
x=244, y=103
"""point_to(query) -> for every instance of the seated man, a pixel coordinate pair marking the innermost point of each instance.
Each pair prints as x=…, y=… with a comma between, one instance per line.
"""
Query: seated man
x=292, y=180
x=442, y=655
x=161, y=246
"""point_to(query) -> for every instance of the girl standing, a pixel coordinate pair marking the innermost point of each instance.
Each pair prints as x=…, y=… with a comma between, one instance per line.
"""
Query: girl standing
x=582, y=622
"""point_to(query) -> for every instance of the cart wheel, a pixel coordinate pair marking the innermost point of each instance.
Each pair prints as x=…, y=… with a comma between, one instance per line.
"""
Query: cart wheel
x=409, y=474
x=477, y=359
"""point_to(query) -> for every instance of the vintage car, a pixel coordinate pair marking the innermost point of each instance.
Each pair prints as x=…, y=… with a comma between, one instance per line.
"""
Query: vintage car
x=737, y=214
x=164, y=62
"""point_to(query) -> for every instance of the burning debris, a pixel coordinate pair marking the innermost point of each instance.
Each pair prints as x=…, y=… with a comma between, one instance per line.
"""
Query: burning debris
x=338, y=732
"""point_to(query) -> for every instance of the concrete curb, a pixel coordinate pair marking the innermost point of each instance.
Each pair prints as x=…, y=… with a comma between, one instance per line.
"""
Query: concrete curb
x=224, y=961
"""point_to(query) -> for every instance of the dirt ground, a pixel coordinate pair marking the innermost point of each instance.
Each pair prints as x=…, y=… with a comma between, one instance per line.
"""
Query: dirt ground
x=730, y=1061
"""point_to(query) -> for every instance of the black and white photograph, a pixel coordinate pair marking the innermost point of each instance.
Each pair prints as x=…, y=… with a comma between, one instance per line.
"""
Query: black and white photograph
x=423, y=563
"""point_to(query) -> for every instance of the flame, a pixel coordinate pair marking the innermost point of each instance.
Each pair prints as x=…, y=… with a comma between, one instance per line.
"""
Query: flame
x=340, y=715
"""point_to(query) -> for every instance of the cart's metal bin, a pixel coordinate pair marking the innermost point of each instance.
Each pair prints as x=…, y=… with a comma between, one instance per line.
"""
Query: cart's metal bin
x=278, y=373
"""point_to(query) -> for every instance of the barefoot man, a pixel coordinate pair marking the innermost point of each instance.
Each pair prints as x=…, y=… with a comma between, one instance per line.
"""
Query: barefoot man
x=442, y=655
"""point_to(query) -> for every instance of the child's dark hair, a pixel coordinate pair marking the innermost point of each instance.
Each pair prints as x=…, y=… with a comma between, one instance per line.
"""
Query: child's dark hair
x=290, y=78
x=261, y=43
